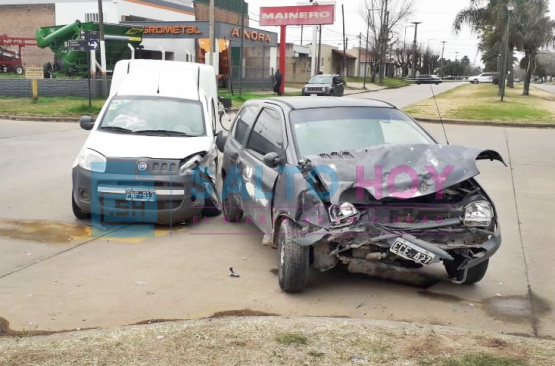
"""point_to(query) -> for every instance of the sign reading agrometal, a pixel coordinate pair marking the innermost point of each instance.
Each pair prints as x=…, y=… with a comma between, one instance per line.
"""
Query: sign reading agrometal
x=231, y=32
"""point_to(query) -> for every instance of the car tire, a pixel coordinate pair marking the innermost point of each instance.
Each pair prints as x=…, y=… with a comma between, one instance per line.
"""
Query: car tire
x=77, y=212
x=293, y=259
x=474, y=274
x=232, y=213
x=213, y=204
x=474, y=82
x=19, y=70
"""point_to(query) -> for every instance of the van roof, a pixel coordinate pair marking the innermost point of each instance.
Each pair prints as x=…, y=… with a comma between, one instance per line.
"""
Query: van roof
x=158, y=78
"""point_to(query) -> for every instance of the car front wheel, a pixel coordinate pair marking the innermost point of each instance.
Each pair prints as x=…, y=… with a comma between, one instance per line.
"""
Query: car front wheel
x=473, y=275
x=293, y=261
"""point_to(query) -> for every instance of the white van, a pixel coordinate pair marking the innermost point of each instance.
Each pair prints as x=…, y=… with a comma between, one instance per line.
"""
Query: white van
x=151, y=154
x=485, y=77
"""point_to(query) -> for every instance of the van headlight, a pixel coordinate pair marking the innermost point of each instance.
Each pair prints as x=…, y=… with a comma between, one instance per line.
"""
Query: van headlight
x=92, y=161
x=188, y=166
x=478, y=213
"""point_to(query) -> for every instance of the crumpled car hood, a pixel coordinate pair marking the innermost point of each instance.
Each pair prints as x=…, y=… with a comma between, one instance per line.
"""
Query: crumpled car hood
x=399, y=171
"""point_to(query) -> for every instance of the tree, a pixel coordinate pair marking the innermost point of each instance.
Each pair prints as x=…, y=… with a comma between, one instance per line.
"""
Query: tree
x=534, y=30
x=382, y=18
x=530, y=29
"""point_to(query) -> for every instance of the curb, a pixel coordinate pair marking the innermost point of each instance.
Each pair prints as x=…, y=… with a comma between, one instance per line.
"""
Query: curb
x=485, y=123
x=40, y=118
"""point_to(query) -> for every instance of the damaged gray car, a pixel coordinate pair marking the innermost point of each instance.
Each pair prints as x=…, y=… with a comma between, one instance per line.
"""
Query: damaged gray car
x=356, y=182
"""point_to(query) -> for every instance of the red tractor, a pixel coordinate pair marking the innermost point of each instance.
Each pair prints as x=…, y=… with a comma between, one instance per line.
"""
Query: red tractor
x=10, y=61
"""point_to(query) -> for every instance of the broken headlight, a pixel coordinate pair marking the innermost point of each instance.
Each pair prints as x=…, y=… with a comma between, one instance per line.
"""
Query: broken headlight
x=343, y=214
x=188, y=166
x=478, y=213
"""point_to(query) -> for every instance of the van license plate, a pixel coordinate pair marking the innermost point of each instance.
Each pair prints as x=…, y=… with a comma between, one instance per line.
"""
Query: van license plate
x=408, y=250
x=132, y=194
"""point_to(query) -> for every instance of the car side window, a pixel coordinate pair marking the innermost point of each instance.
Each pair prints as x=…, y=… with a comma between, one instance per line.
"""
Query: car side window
x=267, y=133
x=245, y=119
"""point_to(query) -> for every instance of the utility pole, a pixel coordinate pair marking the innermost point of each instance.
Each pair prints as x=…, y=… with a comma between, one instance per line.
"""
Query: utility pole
x=212, y=60
x=102, y=48
x=359, y=47
x=344, y=43
x=414, y=56
x=442, y=59
x=384, y=35
x=503, y=77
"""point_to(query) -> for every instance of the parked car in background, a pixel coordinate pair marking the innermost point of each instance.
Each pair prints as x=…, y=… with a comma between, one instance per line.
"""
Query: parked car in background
x=485, y=77
x=355, y=182
x=325, y=84
x=427, y=79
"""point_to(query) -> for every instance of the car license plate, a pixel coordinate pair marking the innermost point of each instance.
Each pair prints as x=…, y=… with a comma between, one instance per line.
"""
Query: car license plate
x=408, y=250
x=132, y=194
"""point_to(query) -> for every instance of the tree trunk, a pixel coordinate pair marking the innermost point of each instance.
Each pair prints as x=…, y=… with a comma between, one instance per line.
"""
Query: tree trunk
x=528, y=75
x=510, y=67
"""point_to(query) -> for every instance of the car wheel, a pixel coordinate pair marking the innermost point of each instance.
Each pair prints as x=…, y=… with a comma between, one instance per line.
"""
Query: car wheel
x=19, y=70
x=474, y=81
x=293, y=259
x=78, y=212
x=232, y=212
x=473, y=275
x=213, y=204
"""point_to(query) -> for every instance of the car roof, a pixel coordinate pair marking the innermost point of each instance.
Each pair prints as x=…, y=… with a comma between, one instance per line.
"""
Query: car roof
x=304, y=102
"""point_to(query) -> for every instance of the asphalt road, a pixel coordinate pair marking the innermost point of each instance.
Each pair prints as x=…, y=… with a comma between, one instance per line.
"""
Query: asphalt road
x=55, y=276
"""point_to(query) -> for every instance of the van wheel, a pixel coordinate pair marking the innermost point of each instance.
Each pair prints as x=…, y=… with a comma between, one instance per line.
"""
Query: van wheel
x=19, y=70
x=78, y=212
x=293, y=260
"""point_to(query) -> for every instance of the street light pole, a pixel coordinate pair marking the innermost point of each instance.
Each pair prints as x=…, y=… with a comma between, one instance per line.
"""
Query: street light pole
x=442, y=59
x=414, y=57
x=510, y=8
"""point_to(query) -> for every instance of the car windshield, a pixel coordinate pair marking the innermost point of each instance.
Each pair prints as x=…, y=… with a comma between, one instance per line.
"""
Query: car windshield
x=154, y=115
x=325, y=130
x=320, y=79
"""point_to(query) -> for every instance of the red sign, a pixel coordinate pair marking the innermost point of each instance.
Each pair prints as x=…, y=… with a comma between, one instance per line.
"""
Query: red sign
x=297, y=15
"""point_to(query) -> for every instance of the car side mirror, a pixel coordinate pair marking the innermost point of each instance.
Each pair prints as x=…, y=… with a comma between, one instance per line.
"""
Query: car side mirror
x=272, y=159
x=86, y=122
x=220, y=140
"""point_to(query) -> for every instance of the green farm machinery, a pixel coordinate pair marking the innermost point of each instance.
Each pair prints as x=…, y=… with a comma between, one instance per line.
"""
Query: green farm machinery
x=71, y=44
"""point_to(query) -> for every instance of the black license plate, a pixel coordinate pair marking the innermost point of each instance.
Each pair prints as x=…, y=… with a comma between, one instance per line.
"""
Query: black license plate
x=132, y=194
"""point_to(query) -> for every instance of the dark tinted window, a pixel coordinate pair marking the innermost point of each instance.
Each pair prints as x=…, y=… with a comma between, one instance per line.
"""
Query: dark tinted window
x=267, y=135
x=244, y=122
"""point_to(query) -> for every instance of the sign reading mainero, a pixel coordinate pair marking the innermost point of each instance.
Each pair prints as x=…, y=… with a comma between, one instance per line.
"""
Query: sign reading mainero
x=297, y=15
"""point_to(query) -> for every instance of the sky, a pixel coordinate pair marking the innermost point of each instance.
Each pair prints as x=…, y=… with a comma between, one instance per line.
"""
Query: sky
x=436, y=16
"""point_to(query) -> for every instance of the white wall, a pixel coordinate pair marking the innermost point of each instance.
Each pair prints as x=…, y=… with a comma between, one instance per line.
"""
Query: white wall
x=67, y=12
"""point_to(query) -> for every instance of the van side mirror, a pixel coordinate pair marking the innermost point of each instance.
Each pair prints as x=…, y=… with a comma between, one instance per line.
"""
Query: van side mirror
x=220, y=141
x=272, y=159
x=86, y=122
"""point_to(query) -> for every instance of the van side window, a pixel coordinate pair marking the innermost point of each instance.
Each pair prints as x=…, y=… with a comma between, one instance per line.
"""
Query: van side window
x=245, y=119
x=267, y=135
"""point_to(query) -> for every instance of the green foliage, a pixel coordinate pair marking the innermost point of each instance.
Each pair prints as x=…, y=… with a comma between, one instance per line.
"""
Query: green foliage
x=289, y=339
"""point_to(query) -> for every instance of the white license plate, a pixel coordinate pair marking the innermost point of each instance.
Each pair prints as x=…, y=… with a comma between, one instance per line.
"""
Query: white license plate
x=132, y=194
x=408, y=250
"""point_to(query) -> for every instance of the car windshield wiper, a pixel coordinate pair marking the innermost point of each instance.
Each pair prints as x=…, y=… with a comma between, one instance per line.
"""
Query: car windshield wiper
x=163, y=133
x=116, y=129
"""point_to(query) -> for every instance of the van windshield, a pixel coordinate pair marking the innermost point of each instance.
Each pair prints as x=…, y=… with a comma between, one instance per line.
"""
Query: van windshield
x=154, y=115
